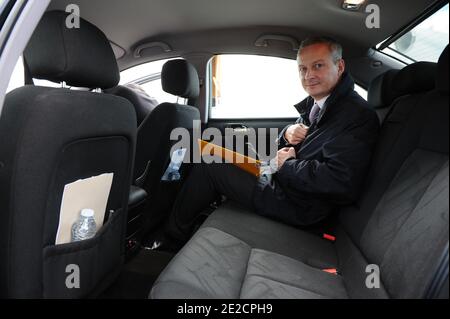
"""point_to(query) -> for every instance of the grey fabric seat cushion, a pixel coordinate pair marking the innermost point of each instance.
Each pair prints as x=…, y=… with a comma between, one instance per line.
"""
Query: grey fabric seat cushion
x=263, y=233
x=215, y=264
x=238, y=254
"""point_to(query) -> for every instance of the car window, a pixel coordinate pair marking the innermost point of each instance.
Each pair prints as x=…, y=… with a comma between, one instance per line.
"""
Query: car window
x=255, y=87
x=148, y=77
x=18, y=77
x=425, y=42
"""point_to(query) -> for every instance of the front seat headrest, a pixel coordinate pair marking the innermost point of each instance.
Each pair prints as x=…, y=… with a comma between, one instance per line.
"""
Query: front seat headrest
x=179, y=77
x=81, y=57
x=442, y=72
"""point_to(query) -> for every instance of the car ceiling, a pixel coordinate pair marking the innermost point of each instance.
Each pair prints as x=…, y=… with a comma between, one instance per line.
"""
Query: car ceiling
x=232, y=26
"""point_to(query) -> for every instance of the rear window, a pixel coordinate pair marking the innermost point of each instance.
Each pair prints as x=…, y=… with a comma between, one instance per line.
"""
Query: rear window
x=425, y=42
x=148, y=77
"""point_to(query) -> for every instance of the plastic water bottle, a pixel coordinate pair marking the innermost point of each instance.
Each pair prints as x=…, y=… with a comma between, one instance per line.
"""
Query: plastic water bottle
x=174, y=174
x=85, y=227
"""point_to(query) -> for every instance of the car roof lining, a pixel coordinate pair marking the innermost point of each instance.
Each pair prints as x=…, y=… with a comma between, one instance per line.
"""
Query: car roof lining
x=187, y=26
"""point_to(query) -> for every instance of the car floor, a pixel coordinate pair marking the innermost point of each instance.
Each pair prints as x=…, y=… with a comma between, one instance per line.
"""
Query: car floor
x=138, y=275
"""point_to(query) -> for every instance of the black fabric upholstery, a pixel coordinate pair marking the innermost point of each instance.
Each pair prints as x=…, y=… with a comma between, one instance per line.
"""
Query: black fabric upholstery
x=154, y=142
x=137, y=196
x=415, y=78
x=381, y=93
x=395, y=224
x=81, y=57
x=442, y=77
x=389, y=86
x=153, y=153
x=179, y=77
x=400, y=224
x=143, y=104
x=49, y=138
x=52, y=137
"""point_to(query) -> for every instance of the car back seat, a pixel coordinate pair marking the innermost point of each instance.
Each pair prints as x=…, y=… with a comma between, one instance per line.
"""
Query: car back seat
x=399, y=225
x=387, y=87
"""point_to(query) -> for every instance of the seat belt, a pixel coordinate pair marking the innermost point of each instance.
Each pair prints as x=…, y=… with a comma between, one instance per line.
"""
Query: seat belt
x=140, y=181
x=27, y=73
x=439, y=278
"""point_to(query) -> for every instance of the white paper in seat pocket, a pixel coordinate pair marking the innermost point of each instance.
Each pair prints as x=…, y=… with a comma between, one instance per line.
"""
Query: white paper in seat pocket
x=90, y=193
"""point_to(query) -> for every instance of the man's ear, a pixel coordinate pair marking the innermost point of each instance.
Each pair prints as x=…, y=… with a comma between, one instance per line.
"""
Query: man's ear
x=341, y=66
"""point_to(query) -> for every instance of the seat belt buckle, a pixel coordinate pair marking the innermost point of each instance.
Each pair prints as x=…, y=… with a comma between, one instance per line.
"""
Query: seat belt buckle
x=332, y=271
x=329, y=237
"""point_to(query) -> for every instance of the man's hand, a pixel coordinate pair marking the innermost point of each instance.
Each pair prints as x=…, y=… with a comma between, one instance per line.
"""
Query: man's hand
x=284, y=154
x=295, y=134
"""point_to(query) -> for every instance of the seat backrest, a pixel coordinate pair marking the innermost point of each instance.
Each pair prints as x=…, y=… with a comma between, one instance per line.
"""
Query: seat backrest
x=142, y=102
x=387, y=87
x=401, y=222
x=154, y=143
x=179, y=78
x=50, y=137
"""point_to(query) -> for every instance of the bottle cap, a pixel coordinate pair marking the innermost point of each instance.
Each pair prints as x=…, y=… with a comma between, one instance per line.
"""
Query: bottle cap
x=87, y=212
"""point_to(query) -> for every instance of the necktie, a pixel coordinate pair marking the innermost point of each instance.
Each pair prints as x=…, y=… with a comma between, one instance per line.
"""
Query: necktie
x=314, y=113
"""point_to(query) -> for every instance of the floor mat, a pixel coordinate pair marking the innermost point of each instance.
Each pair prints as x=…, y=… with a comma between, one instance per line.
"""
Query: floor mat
x=138, y=275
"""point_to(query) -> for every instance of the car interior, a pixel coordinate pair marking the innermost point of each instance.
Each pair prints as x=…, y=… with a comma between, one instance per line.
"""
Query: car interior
x=77, y=113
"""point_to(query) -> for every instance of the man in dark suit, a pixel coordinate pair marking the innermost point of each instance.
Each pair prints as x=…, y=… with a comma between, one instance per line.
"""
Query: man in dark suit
x=322, y=159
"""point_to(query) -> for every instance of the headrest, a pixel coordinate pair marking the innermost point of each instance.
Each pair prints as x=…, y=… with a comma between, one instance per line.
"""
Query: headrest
x=81, y=57
x=381, y=93
x=179, y=77
x=442, y=72
x=415, y=78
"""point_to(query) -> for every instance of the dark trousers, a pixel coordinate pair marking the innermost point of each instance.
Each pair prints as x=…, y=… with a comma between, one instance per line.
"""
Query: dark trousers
x=204, y=184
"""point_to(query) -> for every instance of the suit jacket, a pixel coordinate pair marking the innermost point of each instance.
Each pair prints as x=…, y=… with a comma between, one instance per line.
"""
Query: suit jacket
x=330, y=165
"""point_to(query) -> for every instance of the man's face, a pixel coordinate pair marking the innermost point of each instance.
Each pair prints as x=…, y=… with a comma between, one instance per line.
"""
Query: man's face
x=318, y=72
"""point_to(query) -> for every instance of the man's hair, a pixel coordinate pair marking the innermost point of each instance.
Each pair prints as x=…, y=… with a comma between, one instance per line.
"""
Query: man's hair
x=334, y=46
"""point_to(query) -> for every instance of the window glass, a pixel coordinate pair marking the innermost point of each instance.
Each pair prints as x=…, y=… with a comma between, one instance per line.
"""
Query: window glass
x=148, y=77
x=425, y=42
x=18, y=76
x=249, y=86
x=361, y=91
x=252, y=87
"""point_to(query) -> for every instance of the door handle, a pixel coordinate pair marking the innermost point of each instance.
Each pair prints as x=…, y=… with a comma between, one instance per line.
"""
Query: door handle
x=237, y=127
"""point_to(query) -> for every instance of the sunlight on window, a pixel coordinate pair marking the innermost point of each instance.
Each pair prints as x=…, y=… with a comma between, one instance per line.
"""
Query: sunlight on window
x=247, y=86
x=252, y=87
x=18, y=77
x=148, y=77
x=426, y=41
x=135, y=73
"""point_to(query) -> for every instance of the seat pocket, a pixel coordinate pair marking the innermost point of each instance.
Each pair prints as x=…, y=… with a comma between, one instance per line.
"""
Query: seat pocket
x=74, y=270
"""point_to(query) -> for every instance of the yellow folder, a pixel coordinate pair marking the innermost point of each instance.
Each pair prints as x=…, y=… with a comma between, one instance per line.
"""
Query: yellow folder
x=245, y=163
